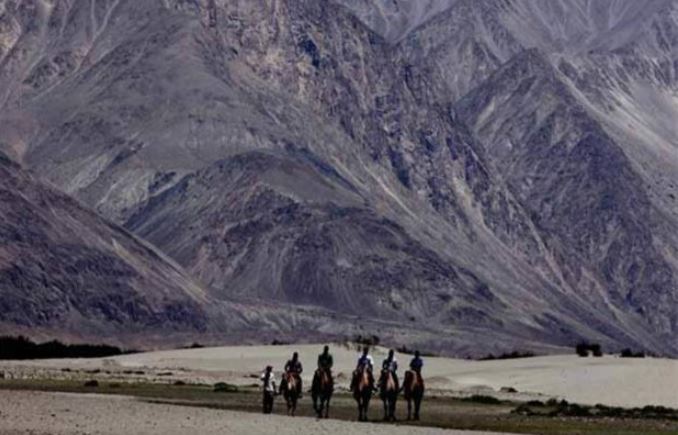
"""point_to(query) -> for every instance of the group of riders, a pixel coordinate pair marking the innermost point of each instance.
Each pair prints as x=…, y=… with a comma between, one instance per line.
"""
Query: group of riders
x=291, y=385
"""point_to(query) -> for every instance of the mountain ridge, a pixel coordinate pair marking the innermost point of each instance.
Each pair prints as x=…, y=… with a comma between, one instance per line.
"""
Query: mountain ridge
x=338, y=130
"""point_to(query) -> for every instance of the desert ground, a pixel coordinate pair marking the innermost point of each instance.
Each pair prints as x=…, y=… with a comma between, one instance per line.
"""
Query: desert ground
x=32, y=398
x=61, y=413
x=609, y=380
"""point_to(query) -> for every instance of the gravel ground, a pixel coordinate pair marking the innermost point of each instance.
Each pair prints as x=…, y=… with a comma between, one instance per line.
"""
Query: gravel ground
x=60, y=413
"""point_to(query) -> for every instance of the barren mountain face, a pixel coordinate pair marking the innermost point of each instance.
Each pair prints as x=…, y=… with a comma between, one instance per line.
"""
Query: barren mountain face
x=65, y=269
x=468, y=170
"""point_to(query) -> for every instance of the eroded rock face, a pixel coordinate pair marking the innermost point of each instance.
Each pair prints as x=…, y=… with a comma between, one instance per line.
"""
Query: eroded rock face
x=64, y=268
x=463, y=166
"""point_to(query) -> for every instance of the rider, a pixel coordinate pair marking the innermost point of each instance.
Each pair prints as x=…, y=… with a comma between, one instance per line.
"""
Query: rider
x=417, y=363
x=391, y=365
x=365, y=361
x=294, y=367
x=325, y=361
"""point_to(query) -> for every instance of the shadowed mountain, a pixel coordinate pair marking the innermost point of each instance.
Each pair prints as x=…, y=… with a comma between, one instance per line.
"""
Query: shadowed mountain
x=65, y=270
x=452, y=169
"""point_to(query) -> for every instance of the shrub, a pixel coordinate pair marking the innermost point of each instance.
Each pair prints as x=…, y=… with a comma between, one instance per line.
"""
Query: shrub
x=552, y=402
x=628, y=353
x=179, y=383
x=20, y=348
x=523, y=409
x=584, y=348
x=407, y=351
x=512, y=355
x=596, y=350
x=487, y=400
x=277, y=342
x=371, y=341
x=223, y=387
x=92, y=384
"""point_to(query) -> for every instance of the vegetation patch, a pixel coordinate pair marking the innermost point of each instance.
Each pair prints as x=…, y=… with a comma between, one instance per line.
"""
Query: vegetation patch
x=511, y=355
x=585, y=349
x=21, y=348
x=628, y=353
x=223, y=387
x=486, y=400
x=562, y=408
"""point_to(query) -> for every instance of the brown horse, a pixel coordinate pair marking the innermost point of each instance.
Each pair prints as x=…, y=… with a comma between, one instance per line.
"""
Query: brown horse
x=388, y=391
x=362, y=391
x=413, y=388
x=290, y=391
x=321, y=392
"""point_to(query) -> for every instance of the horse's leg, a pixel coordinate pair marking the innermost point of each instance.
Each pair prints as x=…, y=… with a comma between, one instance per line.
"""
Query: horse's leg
x=417, y=407
x=409, y=409
x=367, y=404
x=327, y=408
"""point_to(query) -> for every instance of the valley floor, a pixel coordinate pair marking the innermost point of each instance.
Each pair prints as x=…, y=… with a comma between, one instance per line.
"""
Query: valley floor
x=23, y=412
x=609, y=380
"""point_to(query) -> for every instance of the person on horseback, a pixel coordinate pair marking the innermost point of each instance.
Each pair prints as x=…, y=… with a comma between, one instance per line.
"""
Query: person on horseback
x=268, y=378
x=417, y=363
x=293, y=367
x=413, y=387
x=365, y=361
x=391, y=365
x=323, y=384
x=325, y=361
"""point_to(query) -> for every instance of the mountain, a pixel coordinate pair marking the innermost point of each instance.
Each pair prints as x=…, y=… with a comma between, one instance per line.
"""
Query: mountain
x=64, y=269
x=468, y=175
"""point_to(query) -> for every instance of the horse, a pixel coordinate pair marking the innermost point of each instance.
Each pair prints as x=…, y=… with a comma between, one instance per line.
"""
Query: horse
x=321, y=392
x=362, y=391
x=290, y=391
x=388, y=391
x=413, y=388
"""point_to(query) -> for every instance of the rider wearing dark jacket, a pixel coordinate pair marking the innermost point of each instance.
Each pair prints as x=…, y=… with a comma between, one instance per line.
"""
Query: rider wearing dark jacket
x=325, y=360
x=391, y=365
x=417, y=363
x=294, y=367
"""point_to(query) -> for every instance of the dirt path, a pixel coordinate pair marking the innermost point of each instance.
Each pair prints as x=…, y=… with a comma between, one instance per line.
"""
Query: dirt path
x=59, y=413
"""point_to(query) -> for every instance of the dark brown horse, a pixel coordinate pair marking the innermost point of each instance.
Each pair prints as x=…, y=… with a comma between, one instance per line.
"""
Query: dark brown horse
x=413, y=387
x=388, y=391
x=321, y=392
x=362, y=391
x=290, y=391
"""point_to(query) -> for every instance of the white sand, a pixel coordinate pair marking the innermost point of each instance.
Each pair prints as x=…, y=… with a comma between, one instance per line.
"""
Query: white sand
x=61, y=414
x=609, y=380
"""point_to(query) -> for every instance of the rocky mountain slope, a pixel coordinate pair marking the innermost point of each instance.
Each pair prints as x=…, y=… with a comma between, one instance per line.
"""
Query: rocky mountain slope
x=65, y=269
x=469, y=170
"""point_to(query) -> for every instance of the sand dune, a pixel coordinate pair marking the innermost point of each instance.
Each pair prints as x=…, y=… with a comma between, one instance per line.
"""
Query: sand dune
x=62, y=414
x=608, y=380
